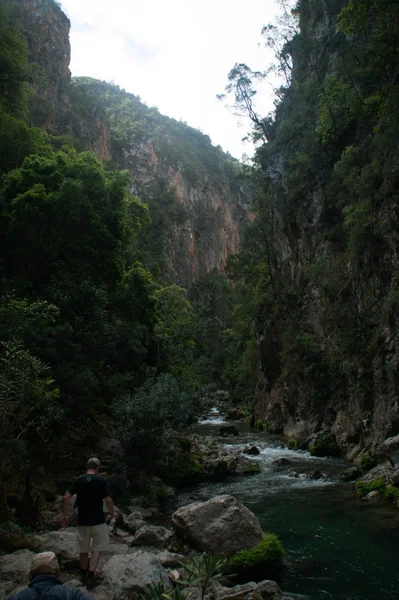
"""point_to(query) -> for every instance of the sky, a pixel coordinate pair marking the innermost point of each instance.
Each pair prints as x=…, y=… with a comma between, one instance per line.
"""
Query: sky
x=175, y=55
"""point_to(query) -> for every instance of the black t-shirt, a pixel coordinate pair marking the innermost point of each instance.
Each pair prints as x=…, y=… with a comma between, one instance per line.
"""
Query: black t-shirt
x=90, y=491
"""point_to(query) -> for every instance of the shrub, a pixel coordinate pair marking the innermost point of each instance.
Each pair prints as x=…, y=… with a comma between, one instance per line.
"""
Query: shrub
x=160, y=403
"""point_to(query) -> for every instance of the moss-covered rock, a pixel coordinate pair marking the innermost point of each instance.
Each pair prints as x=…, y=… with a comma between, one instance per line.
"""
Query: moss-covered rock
x=261, y=425
x=368, y=462
x=325, y=444
x=268, y=553
x=386, y=491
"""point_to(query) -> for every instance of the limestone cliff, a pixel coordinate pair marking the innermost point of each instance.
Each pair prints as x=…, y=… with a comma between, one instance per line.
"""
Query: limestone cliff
x=55, y=105
x=328, y=337
x=197, y=201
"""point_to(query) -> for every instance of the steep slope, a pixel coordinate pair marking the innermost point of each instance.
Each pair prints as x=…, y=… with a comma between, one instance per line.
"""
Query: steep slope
x=328, y=329
x=196, y=199
x=54, y=105
x=196, y=202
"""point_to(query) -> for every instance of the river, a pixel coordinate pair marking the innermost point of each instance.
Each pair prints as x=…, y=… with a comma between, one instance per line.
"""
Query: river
x=338, y=546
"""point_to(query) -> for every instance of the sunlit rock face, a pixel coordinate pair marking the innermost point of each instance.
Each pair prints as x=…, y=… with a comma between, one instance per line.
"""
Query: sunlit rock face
x=359, y=406
x=197, y=202
x=56, y=107
x=203, y=227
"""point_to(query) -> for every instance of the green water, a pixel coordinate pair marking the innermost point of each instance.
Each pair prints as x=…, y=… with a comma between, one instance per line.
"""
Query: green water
x=338, y=546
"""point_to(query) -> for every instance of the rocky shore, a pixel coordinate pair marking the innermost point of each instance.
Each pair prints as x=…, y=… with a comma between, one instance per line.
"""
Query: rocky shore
x=142, y=554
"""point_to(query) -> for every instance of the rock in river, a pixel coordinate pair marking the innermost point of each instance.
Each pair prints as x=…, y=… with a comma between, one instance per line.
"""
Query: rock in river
x=220, y=526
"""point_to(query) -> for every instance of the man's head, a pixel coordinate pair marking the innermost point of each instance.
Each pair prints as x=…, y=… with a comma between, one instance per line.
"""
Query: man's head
x=93, y=464
x=45, y=563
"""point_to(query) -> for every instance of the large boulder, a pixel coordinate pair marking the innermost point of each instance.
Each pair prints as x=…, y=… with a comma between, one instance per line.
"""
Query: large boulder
x=159, y=537
x=384, y=470
x=133, y=521
x=62, y=542
x=251, y=450
x=390, y=449
x=221, y=526
x=134, y=572
x=15, y=567
x=12, y=538
x=351, y=474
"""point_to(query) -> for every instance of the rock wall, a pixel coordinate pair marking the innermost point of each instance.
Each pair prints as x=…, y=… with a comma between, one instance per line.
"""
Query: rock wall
x=356, y=402
x=197, y=201
x=212, y=211
x=55, y=105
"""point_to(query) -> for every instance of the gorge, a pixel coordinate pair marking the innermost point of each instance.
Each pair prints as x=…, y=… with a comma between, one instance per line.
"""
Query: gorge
x=147, y=275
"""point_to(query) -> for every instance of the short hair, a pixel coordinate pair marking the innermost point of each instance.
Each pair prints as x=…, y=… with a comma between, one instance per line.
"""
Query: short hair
x=93, y=463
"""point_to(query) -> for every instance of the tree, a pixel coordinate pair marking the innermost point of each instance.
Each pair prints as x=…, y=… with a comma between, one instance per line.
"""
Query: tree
x=29, y=409
x=175, y=328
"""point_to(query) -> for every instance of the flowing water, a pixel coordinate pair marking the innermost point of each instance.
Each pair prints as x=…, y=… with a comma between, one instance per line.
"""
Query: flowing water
x=338, y=546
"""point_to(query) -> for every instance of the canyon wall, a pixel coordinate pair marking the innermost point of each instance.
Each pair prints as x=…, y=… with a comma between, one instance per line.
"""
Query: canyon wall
x=196, y=202
x=328, y=336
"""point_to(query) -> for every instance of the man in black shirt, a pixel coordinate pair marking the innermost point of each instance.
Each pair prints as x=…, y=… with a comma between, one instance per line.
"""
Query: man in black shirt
x=90, y=489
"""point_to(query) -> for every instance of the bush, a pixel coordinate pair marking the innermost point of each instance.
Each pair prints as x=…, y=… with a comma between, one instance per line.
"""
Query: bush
x=160, y=403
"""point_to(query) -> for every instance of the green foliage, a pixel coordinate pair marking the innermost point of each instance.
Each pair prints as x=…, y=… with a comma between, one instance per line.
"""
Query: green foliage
x=174, y=330
x=328, y=172
x=292, y=443
x=13, y=64
x=261, y=425
x=162, y=401
x=29, y=410
x=368, y=462
x=325, y=444
x=268, y=552
x=365, y=487
x=386, y=491
x=203, y=571
x=337, y=108
x=155, y=591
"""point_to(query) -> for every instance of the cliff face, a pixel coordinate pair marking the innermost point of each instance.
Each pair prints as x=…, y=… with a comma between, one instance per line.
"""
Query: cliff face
x=204, y=225
x=328, y=339
x=55, y=106
x=196, y=200
x=196, y=204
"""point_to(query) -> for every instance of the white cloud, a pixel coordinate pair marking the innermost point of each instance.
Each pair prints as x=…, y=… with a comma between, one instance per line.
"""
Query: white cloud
x=174, y=54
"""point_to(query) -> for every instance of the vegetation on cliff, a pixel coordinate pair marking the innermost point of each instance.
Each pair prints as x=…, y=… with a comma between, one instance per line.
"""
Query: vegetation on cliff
x=327, y=165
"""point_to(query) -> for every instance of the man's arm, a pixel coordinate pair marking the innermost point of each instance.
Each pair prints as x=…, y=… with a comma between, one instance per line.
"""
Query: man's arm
x=111, y=508
x=65, y=506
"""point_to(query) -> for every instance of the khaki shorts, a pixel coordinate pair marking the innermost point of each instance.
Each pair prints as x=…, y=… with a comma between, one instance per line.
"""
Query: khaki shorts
x=97, y=534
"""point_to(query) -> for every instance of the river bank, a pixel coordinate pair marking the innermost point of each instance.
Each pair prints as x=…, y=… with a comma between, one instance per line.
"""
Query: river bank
x=338, y=545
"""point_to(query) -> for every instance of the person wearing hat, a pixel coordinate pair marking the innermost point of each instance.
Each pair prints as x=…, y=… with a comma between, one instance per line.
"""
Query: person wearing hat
x=90, y=489
x=44, y=581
